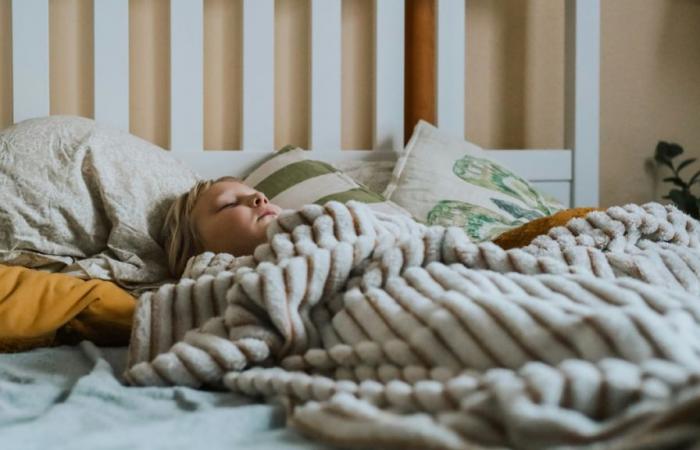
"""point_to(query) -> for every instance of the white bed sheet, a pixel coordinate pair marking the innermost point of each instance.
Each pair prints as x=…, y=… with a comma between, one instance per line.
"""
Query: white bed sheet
x=70, y=398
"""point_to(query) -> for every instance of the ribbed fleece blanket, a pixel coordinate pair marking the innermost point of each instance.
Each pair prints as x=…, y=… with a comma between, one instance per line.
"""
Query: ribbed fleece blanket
x=379, y=331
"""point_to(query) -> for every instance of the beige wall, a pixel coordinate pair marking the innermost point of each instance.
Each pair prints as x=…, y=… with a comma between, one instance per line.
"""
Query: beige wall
x=515, y=73
x=650, y=84
x=650, y=90
x=650, y=76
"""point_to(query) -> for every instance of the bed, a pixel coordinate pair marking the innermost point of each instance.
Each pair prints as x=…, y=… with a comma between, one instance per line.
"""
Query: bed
x=74, y=395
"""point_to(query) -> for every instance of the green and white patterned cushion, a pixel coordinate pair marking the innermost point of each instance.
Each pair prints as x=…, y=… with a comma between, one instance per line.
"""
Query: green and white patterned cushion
x=290, y=180
x=447, y=181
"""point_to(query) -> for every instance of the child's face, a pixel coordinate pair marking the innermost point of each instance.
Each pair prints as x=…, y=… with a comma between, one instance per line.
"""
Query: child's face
x=231, y=217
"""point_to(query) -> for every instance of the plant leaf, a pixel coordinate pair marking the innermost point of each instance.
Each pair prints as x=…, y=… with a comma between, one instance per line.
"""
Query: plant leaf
x=675, y=180
x=693, y=209
x=660, y=155
x=668, y=150
x=685, y=163
x=695, y=178
x=685, y=201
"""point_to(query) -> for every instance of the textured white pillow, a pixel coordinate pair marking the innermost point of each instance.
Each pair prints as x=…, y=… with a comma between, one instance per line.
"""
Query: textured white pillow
x=373, y=174
x=444, y=180
x=87, y=199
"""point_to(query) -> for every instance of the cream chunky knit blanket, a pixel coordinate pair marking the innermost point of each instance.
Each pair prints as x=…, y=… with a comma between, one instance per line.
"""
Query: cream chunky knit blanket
x=379, y=331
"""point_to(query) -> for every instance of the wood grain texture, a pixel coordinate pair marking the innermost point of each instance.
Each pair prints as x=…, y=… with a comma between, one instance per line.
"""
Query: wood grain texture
x=420, y=64
x=71, y=59
x=223, y=68
x=149, y=70
x=5, y=63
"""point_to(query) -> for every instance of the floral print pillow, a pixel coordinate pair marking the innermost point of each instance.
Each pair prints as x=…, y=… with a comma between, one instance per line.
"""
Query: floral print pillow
x=444, y=181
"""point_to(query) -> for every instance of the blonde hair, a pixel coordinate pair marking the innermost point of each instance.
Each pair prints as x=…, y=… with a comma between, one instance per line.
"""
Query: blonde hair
x=181, y=238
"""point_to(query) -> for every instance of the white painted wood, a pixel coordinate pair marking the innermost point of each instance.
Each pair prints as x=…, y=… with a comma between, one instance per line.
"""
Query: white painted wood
x=258, y=74
x=213, y=164
x=389, y=74
x=566, y=174
x=450, y=61
x=560, y=190
x=111, y=34
x=186, y=76
x=30, y=59
x=535, y=165
x=552, y=166
x=583, y=97
x=325, y=74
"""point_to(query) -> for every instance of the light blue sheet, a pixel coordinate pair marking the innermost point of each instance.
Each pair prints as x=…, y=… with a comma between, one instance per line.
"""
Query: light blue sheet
x=69, y=398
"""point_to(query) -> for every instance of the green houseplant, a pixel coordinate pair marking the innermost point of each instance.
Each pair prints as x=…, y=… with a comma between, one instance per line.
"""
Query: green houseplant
x=680, y=194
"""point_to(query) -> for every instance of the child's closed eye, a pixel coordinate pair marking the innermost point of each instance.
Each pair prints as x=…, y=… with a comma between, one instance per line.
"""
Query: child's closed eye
x=229, y=205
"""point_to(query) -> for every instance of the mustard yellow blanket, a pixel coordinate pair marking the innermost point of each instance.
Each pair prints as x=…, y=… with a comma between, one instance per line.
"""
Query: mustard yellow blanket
x=41, y=309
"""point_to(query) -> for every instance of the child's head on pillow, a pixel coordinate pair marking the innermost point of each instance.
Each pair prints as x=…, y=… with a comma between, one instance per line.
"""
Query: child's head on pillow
x=220, y=216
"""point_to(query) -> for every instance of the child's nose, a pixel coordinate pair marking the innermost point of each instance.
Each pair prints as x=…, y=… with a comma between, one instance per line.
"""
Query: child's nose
x=260, y=199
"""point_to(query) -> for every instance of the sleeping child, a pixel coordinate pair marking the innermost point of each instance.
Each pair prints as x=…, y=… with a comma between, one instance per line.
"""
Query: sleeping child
x=220, y=216
x=363, y=322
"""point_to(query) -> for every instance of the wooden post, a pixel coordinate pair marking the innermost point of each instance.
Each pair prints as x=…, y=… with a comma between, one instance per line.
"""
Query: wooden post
x=419, y=88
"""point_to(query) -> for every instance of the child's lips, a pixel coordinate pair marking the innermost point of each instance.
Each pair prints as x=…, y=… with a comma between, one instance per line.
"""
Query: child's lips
x=267, y=212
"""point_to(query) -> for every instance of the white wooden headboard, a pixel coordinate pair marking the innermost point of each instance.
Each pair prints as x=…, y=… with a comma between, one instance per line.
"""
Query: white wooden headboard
x=570, y=174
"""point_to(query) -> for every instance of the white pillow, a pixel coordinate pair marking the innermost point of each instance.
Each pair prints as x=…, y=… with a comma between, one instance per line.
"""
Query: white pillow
x=445, y=180
x=87, y=199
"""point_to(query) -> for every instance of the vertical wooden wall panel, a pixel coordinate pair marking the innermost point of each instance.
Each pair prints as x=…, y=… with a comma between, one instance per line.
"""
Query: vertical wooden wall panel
x=223, y=72
x=71, y=57
x=5, y=63
x=515, y=73
x=149, y=70
x=357, y=74
x=544, y=75
x=420, y=64
x=292, y=72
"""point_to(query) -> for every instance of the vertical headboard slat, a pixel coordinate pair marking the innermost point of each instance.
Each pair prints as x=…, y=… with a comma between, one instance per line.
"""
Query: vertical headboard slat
x=450, y=61
x=112, y=63
x=582, y=98
x=389, y=74
x=326, y=24
x=186, y=75
x=30, y=59
x=258, y=74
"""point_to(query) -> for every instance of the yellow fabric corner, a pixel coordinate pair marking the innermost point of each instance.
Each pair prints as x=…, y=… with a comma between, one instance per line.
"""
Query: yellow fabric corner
x=40, y=309
x=524, y=234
